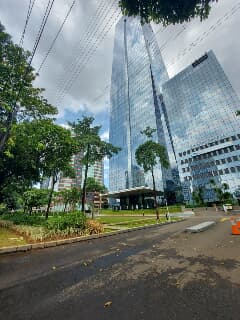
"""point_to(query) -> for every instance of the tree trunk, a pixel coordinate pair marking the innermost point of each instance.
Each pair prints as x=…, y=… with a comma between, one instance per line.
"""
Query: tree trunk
x=54, y=180
x=65, y=206
x=155, y=195
x=85, y=180
x=10, y=119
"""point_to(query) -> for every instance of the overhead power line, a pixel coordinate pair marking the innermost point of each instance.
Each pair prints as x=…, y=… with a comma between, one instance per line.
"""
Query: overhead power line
x=30, y=7
x=83, y=37
x=38, y=38
x=41, y=29
x=183, y=52
x=96, y=34
x=56, y=37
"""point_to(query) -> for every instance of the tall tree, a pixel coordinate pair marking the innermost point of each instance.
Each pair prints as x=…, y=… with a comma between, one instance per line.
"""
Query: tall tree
x=91, y=146
x=166, y=11
x=148, y=155
x=19, y=99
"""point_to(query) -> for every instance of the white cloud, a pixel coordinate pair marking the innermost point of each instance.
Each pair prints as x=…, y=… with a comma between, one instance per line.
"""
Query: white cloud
x=105, y=135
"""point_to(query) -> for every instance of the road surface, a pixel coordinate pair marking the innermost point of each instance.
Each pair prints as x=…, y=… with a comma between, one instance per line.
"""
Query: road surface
x=158, y=273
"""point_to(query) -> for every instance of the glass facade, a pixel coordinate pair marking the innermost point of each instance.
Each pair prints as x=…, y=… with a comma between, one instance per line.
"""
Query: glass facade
x=201, y=107
x=138, y=73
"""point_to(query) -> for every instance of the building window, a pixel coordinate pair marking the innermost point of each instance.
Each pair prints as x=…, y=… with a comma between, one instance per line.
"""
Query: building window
x=226, y=170
x=235, y=158
x=220, y=172
x=233, y=169
x=229, y=159
x=223, y=161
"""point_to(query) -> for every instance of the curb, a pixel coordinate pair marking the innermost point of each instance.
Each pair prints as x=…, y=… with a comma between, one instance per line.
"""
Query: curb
x=54, y=243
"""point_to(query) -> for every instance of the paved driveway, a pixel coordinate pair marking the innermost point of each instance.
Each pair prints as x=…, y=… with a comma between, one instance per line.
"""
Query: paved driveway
x=158, y=273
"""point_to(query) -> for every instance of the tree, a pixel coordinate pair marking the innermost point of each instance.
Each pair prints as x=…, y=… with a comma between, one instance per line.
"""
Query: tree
x=166, y=12
x=35, y=198
x=91, y=146
x=70, y=196
x=58, y=149
x=198, y=196
x=18, y=99
x=35, y=150
x=93, y=185
x=148, y=155
x=221, y=191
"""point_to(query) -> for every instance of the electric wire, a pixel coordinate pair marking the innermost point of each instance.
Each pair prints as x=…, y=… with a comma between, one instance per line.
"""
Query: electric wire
x=56, y=37
x=30, y=7
x=84, y=36
x=183, y=52
x=97, y=34
x=88, y=56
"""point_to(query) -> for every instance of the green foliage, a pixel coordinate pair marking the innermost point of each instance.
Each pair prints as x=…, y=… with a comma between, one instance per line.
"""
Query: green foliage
x=35, y=198
x=90, y=146
x=93, y=185
x=197, y=196
x=166, y=12
x=19, y=98
x=89, y=142
x=222, y=192
x=149, y=154
x=38, y=149
x=70, y=196
x=24, y=219
x=76, y=220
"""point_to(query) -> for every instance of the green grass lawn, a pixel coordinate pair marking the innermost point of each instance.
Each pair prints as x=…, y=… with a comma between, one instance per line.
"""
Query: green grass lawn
x=162, y=210
x=130, y=222
x=118, y=219
x=9, y=238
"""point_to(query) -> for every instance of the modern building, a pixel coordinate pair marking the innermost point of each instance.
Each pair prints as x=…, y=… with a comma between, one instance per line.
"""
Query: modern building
x=201, y=106
x=138, y=73
x=94, y=171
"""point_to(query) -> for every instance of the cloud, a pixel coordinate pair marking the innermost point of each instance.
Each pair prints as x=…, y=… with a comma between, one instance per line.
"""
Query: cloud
x=105, y=135
x=82, y=31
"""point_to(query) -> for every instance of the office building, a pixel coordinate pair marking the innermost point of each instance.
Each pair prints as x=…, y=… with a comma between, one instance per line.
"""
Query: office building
x=201, y=106
x=138, y=73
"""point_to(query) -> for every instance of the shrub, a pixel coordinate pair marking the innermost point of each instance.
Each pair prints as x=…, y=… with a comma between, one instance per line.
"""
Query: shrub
x=94, y=227
x=24, y=219
x=75, y=220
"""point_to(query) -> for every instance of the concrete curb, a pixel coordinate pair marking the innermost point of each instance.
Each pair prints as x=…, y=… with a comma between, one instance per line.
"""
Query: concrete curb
x=48, y=244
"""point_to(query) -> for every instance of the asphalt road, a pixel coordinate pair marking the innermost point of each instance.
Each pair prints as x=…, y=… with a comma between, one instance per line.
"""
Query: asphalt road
x=158, y=273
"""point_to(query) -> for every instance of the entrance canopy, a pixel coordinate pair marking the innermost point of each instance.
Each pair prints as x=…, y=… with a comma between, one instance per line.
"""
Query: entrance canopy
x=131, y=192
x=139, y=197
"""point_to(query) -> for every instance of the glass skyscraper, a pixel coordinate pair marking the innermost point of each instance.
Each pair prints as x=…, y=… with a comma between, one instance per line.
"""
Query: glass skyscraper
x=138, y=73
x=201, y=106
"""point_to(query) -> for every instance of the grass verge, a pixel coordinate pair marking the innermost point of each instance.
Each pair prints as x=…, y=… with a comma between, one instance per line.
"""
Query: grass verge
x=9, y=238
